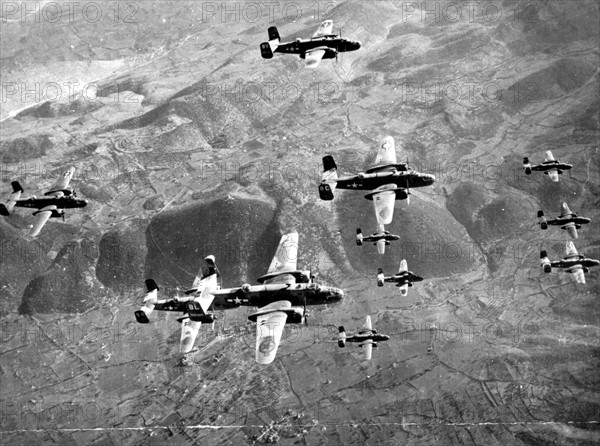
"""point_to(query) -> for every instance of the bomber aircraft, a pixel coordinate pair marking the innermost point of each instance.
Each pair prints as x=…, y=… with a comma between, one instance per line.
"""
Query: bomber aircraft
x=198, y=293
x=387, y=180
x=573, y=262
x=52, y=205
x=566, y=220
x=323, y=45
x=549, y=166
x=282, y=296
x=366, y=336
x=403, y=279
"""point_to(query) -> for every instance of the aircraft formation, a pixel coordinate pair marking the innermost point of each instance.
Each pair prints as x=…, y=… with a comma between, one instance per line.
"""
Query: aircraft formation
x=52, y=205
x=573, y=262
x=284, y=292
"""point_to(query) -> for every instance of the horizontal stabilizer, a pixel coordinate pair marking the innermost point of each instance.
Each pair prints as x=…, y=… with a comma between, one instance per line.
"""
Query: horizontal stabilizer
x=16, y=187
x=10, y=203
x=380, y=277
x=328, y=183
x=526, y=165
x=359, y=237
x=273, y=34
x=151, y=285
x=341, y=337
x=545, y=262
x=150, y=300
x=141, y=317
x=542, y=220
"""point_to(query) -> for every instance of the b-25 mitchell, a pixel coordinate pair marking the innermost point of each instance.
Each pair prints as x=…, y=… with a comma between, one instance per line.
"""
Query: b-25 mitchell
x=52, y=205
x=366, y=336
x=388, y=181
x=549, y=166
x=403, y=279
x=573, y=262
x=282, y=297
x=323, y=45
x=566, y=220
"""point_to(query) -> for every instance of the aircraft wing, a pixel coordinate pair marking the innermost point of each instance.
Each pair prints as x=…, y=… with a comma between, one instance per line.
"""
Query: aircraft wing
x=387, y=151
x=189, y=332
x=571, y=229
x=570, y=249
x=313, y=57
x=553, y=174
x=564, y=210
x=368, y=325
x=578, y=273
x=269, y=328
x=368, y=346
x=324, y=29
x=286, y=256
x=63, y=181
x=403, y=266
x=549, y=156
x=384, y=206
x=41, y=218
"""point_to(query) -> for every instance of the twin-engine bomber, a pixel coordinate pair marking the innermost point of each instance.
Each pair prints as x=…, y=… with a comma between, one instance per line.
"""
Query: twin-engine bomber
x=573, y=263
x=322, y=45
x=367, y=337
x=566, y=220
x=388, y=181
x=403, y=279
x=58, y=198
x=282, y=296
x=549, y=166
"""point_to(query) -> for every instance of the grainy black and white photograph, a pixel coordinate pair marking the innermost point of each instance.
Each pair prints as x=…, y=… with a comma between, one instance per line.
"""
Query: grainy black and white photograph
x=336, y=222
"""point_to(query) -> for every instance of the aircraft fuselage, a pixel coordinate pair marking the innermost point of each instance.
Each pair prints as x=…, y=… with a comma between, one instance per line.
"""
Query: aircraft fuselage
x=569, y=262
x=261, y=295
x=370, y=181
x=301, y=46
x=551, y=165
x=59, y=202
x=375, y=337
x=405, y=277
x=561, y=221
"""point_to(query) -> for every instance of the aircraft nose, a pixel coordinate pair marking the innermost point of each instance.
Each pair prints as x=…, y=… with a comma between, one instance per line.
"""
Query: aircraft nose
x=84, y=203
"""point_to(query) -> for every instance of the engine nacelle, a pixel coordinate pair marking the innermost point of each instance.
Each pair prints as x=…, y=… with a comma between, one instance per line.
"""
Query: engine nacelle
x=545, y=262
x=374, y=345
x=342, y=343
x=359, y=237
x=245, y=288
x=360, y=175
x=314, y=287
x=295, y=316
x=526, y=165
x=542, y=220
